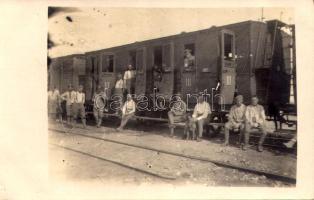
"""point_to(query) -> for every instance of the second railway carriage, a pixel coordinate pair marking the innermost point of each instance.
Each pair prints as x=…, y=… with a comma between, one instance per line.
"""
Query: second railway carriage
x=248, y=58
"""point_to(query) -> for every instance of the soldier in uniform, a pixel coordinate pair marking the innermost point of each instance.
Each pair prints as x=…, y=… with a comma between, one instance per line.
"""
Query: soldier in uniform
x=157, y=77
x=69, y=97
x=78, y=106
x=99, y=100
x=129, y=79
x=54, y=103
x=189, y=60
x=176, y=113
x=128, y=111
x=236, y=118
x=118, y=91
x=200, y=113
x=254, y=118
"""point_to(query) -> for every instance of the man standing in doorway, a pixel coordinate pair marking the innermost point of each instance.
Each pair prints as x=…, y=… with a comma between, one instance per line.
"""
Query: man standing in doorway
x=129, y=79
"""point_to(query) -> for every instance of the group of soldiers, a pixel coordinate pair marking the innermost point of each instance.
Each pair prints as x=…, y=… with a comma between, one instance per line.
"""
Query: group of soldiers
x=242, y=118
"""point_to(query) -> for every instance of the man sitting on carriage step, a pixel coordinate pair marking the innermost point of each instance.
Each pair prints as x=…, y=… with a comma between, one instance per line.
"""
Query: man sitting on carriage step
x=254, y=118
x=176, y=113
x=128, y=111
x=200, y=113
x=235, y=119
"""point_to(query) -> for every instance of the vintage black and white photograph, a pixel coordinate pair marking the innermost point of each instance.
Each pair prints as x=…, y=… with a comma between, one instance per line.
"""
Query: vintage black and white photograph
x=176, y=96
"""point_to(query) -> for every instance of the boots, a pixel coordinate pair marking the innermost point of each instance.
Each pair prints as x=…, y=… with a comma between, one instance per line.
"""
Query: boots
x=84, y=123
x=171, y=131
x=99, y=123
x=226, y=143
x=246, y=141
x=260, y=143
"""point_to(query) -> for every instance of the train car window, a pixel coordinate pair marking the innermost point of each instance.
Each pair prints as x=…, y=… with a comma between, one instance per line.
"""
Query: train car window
x=139, y=62
x=107, y=63
x=132, y=59
x=110, y=63
x=189, y=57
x=228, y=42
x=93, y=65
x=158, y=58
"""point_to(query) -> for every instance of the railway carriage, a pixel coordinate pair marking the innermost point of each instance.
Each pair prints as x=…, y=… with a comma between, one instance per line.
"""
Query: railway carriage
x=248, y=58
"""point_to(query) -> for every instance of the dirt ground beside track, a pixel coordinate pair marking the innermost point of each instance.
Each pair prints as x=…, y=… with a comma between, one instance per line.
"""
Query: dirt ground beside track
x=117, y=162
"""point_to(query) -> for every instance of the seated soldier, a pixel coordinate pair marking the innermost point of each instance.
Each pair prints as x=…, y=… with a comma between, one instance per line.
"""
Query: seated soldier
x=176, y=113
x=128, y=111
x=235, y=119
x=200, y=113
x=254, y=118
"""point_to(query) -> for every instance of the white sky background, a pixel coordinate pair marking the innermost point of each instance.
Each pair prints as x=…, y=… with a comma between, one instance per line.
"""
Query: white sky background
x=100, y=28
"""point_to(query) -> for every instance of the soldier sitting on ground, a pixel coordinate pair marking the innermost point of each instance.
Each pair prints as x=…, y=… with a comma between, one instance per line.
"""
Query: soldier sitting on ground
x=235, y=119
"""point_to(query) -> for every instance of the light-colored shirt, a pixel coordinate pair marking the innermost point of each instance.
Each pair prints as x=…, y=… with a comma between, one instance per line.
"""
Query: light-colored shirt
x=201, y=111
x=53, y=95
x=179, y=108
x=69, y=97
x=129, y=74
x=128, y=107
x=119, y=84
x=255, y=114
x=80, y=97
x=237, y=113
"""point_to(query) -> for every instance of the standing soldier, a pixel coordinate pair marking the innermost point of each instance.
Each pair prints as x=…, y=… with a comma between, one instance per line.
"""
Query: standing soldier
x=78, y=106
x=236, y=118
x=254, y=118
x=53, y=103
x=200, y=113
x=118, y=92
x=99, y=100
x=129, y=79
x=69, y=97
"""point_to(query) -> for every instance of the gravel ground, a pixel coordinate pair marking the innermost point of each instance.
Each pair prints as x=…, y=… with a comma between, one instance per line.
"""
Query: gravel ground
x=129, y=165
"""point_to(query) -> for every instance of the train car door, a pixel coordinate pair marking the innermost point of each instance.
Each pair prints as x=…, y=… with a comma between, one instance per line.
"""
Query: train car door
x=140, y=65
x=107, y=72
x=163, y=56
x=227, y=70
x=92, y=78
x=188, y=71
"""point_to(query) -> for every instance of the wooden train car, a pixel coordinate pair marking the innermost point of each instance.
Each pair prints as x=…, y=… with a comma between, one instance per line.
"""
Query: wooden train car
x=248, y=58
x=67, y=70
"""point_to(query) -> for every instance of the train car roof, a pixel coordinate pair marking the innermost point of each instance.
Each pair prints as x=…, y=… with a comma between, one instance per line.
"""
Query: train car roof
x=182, y=34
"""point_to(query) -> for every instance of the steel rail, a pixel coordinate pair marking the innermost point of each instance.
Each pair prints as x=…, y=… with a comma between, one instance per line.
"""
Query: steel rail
x=267, y=174
x=117, y=163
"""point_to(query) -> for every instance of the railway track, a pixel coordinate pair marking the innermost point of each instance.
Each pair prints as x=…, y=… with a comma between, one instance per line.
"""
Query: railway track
x=269, y=175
